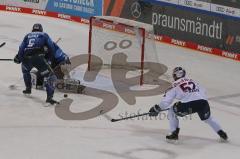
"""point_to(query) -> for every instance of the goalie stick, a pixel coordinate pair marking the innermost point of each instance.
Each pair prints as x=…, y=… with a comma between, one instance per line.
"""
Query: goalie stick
x=1, y=45
x=134, y=116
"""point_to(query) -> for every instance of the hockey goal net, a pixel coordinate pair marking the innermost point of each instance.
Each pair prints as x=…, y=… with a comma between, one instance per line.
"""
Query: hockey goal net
x=122, y=44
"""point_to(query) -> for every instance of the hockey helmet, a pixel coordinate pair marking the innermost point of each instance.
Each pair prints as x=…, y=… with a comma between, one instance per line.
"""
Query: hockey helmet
x=178, y=72
x=37, y=27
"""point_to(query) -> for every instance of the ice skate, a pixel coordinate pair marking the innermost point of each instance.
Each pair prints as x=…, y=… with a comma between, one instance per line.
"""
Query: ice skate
x=27, y=92
x=223, y=136
x=51, y=102
x=173, y=137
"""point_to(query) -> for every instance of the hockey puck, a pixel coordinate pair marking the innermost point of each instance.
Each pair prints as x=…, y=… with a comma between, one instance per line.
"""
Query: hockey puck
x=65, y=95
x=12, y=86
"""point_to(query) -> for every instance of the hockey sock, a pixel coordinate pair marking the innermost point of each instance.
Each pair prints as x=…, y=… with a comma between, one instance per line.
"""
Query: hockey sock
x=213, y=123
x=173, y=120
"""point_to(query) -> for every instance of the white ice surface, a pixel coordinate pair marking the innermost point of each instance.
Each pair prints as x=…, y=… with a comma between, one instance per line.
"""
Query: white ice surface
x=30, y=131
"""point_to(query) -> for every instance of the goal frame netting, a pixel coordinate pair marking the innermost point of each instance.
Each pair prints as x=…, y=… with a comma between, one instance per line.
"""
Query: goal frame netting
x=118, y=24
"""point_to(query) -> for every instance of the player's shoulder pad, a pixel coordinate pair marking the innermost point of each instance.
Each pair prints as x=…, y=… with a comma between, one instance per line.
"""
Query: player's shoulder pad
x=179, y=81
x=167, y=90
x=27, y=35
x=35, y=34
x=45, y=34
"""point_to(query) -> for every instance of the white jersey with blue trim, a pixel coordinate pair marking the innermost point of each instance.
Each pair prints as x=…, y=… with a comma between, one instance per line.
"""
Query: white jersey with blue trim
x=185, y=90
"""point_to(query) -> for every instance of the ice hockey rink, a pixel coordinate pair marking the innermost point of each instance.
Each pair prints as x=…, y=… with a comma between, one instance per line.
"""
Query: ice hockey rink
x=30, y=131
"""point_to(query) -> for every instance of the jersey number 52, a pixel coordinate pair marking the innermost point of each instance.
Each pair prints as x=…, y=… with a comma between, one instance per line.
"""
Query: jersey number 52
x=188, y=86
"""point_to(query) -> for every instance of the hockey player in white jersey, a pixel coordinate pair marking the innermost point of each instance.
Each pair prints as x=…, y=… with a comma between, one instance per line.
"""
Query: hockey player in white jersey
x=191, y=99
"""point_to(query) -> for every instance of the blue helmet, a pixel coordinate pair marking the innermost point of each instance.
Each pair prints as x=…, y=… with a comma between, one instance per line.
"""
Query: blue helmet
x=37, y=27
x=178, y=72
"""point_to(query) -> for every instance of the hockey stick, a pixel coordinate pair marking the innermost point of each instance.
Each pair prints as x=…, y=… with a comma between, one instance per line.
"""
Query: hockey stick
x=6, y=59
x=59, y=39
x=1, y=45
x=134, y=116
x=130, y=117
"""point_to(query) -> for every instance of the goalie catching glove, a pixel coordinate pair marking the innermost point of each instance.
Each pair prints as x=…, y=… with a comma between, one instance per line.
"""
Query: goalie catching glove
x=154, y=111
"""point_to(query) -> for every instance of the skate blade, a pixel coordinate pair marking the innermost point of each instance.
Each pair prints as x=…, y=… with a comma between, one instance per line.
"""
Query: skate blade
x=28, y=95
x=175, y=142
x=50, y=105
x=221, y=140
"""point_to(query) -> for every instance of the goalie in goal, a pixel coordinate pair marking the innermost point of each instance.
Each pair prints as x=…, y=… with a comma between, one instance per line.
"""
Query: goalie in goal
x=61, y=69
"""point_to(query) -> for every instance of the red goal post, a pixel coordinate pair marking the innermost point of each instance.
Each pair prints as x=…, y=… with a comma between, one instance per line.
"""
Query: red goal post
x=110, y=35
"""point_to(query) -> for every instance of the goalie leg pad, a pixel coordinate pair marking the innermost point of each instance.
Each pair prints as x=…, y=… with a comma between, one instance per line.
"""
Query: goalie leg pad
x=70, y=86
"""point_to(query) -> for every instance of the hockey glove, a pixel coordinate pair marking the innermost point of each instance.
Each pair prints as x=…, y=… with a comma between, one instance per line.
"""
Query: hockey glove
x=154, y=111
x=16, y=59
x=67, y=61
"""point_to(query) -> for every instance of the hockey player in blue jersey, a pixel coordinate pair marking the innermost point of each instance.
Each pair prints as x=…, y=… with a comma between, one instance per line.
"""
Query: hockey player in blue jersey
x=32, y=54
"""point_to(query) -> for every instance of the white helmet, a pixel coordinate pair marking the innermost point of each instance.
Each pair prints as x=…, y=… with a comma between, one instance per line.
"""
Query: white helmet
x=178, y=72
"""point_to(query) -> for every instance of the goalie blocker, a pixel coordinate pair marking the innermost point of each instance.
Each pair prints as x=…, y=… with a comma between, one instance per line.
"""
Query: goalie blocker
x=63, y=85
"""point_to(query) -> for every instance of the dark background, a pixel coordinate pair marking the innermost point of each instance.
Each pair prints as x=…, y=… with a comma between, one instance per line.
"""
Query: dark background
x=229, y=3
x=231, y=26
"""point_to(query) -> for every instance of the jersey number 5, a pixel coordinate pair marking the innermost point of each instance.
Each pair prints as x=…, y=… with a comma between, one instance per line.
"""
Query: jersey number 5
x=31, y=42
x=188, y=86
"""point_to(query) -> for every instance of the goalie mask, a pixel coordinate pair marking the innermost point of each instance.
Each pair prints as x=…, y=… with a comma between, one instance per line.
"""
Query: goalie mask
x=178, y=72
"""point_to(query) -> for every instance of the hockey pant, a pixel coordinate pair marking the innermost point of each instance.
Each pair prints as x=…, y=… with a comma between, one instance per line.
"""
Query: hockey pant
x=199, y=106
x=44, y=69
